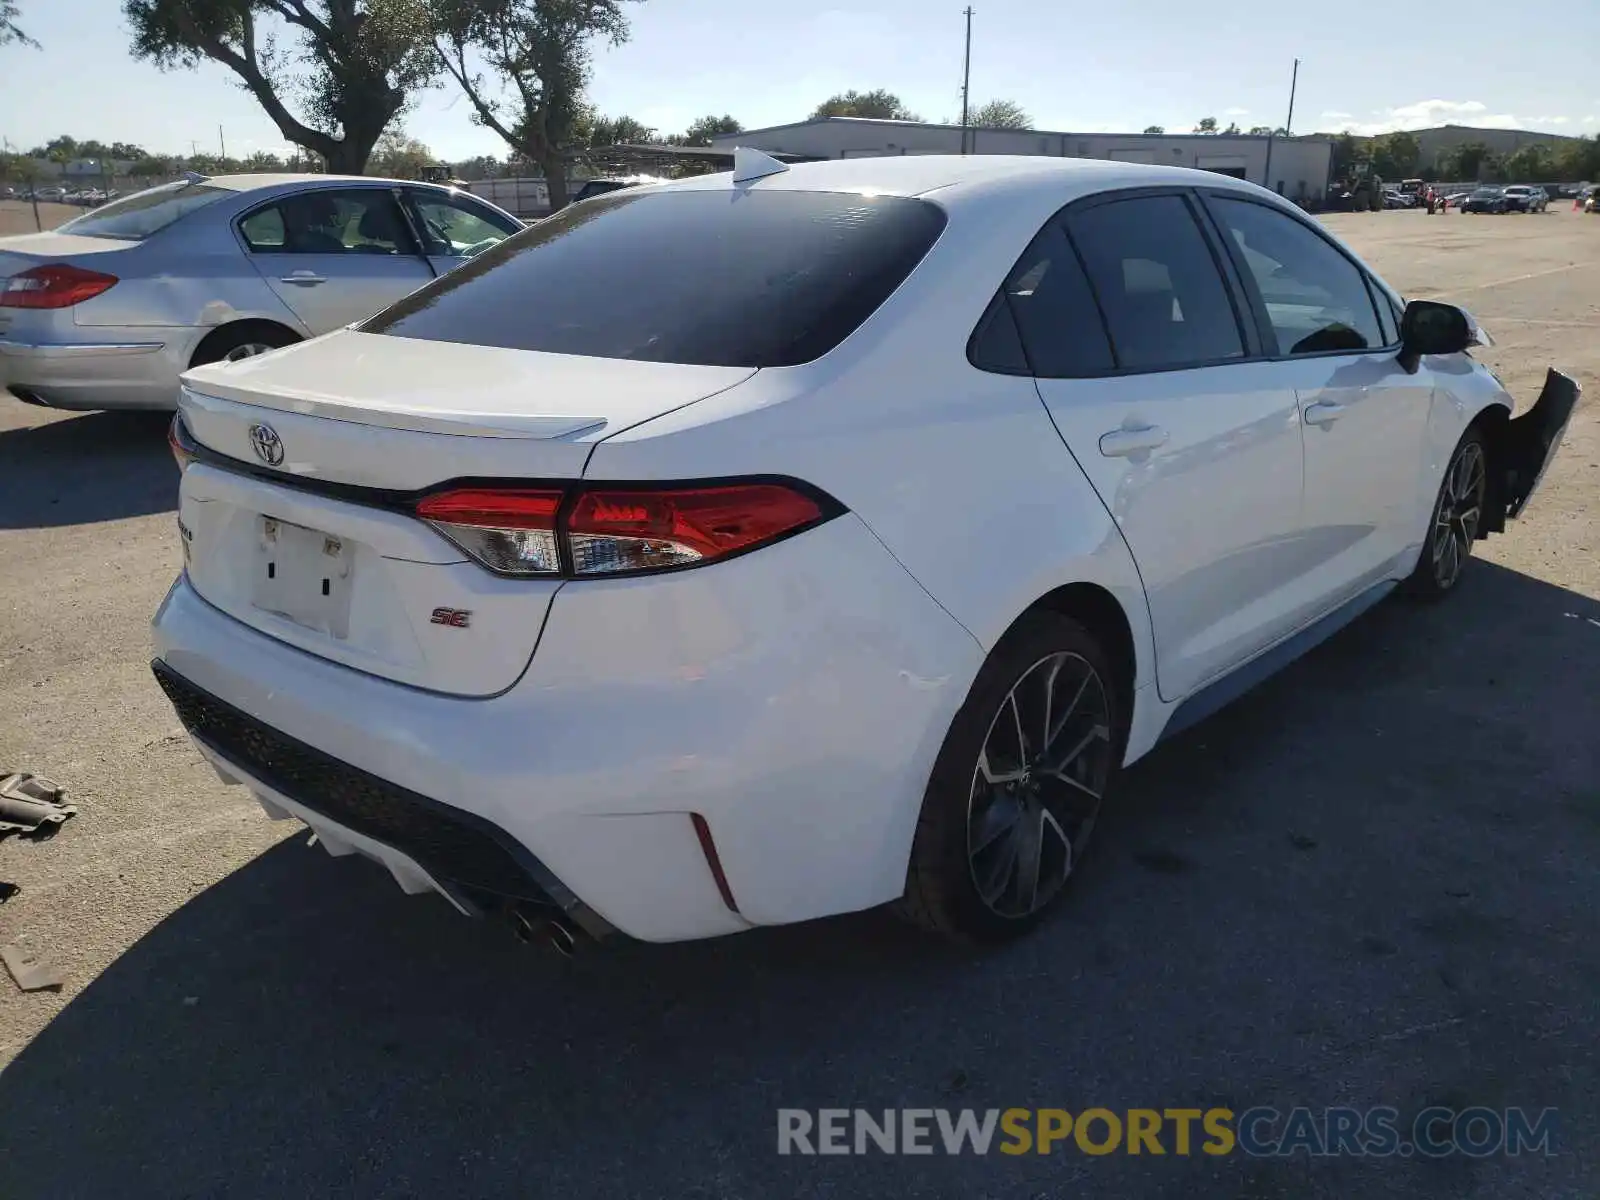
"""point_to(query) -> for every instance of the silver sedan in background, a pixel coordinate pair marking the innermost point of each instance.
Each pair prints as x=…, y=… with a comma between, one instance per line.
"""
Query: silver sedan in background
x=108, y=309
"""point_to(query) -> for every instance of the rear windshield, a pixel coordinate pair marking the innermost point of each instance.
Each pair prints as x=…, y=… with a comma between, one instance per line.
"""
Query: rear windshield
x=143, y=213
x=714, y=278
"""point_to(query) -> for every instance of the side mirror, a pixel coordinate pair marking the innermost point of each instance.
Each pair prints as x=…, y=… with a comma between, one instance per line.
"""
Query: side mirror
x=1428, y=327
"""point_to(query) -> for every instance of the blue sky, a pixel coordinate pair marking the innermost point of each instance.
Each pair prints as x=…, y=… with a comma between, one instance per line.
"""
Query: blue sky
x=1367, y=65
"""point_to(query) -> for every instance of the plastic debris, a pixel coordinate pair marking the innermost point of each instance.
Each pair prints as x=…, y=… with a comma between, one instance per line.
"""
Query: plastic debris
x=33, y=972
x=32, y=804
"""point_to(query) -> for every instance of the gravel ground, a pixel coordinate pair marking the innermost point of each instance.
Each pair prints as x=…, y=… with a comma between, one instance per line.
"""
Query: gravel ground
x=1371, y=882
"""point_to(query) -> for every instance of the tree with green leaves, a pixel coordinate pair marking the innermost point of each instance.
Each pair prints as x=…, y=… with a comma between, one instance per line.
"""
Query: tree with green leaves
x=1395, y=155
x=398, y=155
x=1206, y=125
x=1155, y=128
x=702, y=129
x=1000, y=114
x=523, y=66
x=9, y=32
x=1468, y=162
x=617, y=131
x=880, y=105
x=331, y=74
x=1261, y=131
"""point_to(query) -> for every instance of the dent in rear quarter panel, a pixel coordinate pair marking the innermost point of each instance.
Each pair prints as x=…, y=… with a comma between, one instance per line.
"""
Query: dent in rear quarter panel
x=165, y=282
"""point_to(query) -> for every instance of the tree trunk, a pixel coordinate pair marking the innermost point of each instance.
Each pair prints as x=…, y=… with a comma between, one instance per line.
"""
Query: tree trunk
x=555, y=177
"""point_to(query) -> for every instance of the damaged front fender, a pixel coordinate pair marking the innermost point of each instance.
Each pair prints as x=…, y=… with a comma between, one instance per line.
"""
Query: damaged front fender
x=1521, y=449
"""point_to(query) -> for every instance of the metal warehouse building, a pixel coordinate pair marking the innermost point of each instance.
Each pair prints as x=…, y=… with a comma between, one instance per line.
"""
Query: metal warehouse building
x=1294, y=167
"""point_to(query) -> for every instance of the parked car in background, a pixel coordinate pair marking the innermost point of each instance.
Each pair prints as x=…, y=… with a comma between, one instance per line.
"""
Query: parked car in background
x=108, y=309
x=1395, y=198
x=1525, y=198
x=601, y=186
x=770, y=545
x=1484, y=200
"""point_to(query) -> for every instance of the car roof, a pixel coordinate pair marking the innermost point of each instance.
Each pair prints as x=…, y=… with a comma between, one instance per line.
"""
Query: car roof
x=919, y=174
x=250, y=183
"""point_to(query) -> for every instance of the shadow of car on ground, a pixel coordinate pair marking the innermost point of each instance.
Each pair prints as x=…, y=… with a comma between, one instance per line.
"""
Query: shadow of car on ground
x=1371, y=881
x=86, y=467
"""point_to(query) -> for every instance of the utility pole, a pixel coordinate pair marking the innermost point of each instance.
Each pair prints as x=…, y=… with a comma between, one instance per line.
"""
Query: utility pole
x=1288, y=125
x=966, y=80
x=221, y=144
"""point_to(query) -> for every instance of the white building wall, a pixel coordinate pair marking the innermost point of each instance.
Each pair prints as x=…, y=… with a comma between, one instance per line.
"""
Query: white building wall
x=1301, y=167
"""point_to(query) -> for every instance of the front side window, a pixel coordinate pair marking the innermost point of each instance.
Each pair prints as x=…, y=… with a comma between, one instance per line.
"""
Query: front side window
x=342, y=221
x=1316, y=299
x=745, y=278
x=1164, y=299
x=455, y=228
x=138, y=216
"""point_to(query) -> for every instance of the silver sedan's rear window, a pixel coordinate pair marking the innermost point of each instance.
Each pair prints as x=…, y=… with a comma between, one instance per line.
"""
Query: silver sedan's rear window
x=737, y=278
x=143, y=213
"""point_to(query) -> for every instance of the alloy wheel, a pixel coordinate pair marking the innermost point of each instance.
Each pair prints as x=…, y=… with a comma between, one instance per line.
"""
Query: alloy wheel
x=1037, y=784
x=1460, y=511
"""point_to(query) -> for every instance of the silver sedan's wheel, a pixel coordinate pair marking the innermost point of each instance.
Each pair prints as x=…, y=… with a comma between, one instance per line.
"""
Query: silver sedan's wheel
x=247, y=350
x=1458, y=513
x=1037, y=784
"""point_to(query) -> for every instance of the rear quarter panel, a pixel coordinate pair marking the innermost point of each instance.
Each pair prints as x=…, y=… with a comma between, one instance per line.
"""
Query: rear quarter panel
x=959, y=472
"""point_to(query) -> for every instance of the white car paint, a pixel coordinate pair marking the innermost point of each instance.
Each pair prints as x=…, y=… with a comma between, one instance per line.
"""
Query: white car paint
x=795, y=697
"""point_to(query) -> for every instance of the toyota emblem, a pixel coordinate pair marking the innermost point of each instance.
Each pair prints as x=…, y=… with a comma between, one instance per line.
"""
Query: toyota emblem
x=268, y=445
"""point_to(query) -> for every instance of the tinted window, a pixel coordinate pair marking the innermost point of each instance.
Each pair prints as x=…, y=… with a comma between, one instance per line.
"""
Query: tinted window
x=995, y=345
x=1055, y=311
x=456, y=228
x=719, y=278
x=342, y=221
x=143, y=213
x=1316, y=298
x=1163, y=297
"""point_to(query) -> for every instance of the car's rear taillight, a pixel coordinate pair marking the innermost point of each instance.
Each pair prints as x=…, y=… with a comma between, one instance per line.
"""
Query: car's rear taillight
x=179, y=442
x=606, y=530
x=511, y=531
x=54, y=285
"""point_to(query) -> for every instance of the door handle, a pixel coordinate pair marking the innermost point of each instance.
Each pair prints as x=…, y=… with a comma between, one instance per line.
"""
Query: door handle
x=1120, y=443
x=1323, y=413
x=304, y=278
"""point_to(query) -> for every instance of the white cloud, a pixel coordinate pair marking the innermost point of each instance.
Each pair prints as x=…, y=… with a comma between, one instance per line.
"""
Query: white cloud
x=1335, y=115
x=1424, y=114
x=1236, y=112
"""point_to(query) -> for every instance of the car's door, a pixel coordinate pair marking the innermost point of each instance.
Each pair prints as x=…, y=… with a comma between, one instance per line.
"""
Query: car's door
x=1148, y=366
x=455, y=227
x=334, y=255
x=1365, y=416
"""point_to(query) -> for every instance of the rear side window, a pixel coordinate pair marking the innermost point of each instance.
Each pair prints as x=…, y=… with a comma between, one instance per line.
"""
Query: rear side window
x=1164, y=299
x=743, y=278
x=1316, y=299
x=138, y=216
x=1054, y=310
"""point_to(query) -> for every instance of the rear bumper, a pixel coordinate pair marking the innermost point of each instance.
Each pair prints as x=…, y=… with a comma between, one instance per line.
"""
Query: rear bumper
x=137, y=371
x=794, y=699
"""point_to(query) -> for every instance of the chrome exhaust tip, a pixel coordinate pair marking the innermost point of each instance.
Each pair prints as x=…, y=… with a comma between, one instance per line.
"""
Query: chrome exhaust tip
x=536, y=928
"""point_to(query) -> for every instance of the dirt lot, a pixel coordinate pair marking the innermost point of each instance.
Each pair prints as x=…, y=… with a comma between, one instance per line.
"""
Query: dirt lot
x=1372, y=882
x=17, y=216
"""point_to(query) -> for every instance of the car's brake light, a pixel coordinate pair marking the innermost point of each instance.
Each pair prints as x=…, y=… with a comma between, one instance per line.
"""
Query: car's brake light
x=512, y=531
x=612, y=530
x=54, y=285
x=648, y=530
x=178, y=441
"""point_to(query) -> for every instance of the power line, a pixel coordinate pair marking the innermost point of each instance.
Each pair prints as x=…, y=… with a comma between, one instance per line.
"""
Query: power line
x=966, y=80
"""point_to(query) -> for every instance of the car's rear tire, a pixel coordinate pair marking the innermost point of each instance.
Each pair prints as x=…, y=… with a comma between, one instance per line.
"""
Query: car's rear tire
x=1458, y=513
x=242, y=340
x=1018, y=784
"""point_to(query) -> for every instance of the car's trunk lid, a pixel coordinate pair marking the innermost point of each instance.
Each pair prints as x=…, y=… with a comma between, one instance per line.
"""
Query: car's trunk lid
x=320, y=551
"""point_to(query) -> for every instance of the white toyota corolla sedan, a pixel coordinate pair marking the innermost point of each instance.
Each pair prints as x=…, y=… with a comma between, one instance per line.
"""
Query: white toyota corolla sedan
x=781, y=543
